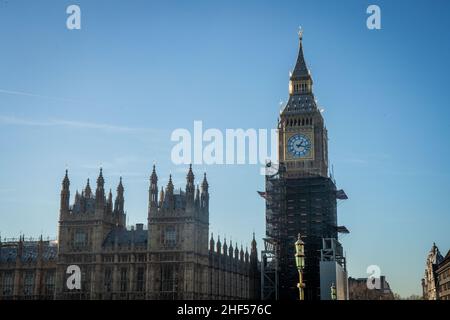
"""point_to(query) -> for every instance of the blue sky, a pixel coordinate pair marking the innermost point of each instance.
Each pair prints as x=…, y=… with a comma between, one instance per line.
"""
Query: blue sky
x=111, y=93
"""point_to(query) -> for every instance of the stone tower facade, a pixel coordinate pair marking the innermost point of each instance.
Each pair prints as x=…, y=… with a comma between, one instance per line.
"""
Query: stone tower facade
x=178, y=224
x=82, y=230
x=302, y=135
x=430, y=281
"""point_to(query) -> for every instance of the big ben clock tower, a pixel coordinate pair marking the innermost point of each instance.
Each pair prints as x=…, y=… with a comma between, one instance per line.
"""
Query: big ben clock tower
x=301, y=130
x=301, y=198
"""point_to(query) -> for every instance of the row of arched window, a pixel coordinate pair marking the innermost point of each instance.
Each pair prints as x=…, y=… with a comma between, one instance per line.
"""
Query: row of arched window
x=301, y=87
x=294, y=122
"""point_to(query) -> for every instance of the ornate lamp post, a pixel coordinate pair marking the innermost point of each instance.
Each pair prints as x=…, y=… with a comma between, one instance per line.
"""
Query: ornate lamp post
x=300, y=263
x=333, y=292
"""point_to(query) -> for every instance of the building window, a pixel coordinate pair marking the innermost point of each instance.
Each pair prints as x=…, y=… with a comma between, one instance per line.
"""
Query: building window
x=8, y=284
x=170, y=236
x=168, y=279
x=80, y=239
x=123, y=280
x=140, y=277
x=28, y=283
x=107, y=280
x=49, y=283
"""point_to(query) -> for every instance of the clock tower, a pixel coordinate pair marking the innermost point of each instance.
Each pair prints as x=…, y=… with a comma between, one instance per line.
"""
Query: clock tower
x=302, y=134
x=301, y=197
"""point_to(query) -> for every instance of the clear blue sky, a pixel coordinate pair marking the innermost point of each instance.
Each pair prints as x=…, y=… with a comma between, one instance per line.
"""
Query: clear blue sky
x=111, y=93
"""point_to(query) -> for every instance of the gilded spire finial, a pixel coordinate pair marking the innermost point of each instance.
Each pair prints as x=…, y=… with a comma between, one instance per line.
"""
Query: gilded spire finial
x=300, y=33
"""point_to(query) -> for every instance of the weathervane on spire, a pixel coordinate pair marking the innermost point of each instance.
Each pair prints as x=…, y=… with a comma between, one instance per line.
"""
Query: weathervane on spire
x=300, y=32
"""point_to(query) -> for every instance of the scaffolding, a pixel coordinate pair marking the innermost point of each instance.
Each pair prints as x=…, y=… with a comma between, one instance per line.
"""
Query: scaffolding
x=274, y=196
x=269, y=271
x=308, y=206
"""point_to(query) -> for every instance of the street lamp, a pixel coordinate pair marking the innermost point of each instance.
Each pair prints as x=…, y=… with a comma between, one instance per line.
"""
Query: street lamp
x=300, y=263
x=333, y=292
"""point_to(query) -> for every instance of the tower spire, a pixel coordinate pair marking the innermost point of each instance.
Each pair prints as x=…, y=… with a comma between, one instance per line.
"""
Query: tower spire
x=169, y=195
x=66, y=181
x=100, y=192
x=110, y=201
x=153, y=191
x=65, y=194
x=169, y=189
x=154, y=176
x=190, y=187
x=204, y=196
x=120, y=200
x=161, y=196
x=300, y=70
x=190, y=176
x=211, y=243
x=100, y=180
x=87, y=190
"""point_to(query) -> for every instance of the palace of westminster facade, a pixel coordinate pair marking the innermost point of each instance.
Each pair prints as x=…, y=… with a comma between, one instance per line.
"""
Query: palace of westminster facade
x=171, y=259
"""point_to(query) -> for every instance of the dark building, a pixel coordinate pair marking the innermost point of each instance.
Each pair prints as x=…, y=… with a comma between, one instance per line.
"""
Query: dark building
x=300, y=195
x=172, y=259
x=27, y=268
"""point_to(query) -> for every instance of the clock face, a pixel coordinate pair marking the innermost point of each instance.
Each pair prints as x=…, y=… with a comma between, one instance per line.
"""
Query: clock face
x=299, y=146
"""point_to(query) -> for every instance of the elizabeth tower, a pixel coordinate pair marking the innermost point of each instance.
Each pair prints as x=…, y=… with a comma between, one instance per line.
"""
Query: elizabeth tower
x=302, y=196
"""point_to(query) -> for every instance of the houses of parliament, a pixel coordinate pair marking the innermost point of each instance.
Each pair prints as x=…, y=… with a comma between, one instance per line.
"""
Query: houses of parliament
x=174, y=258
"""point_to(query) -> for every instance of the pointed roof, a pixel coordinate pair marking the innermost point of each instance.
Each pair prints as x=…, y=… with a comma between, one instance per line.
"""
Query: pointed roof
x=66, y=181
x=169, y=188
x=100, y=180
x=225, y=246
x=87, y=190
x=161, y=194
x=300, y=102
x=204, y=183
x=190, y=175
x=120, y=186
x=154, y=177
x=301, y=70
x=253, y=242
